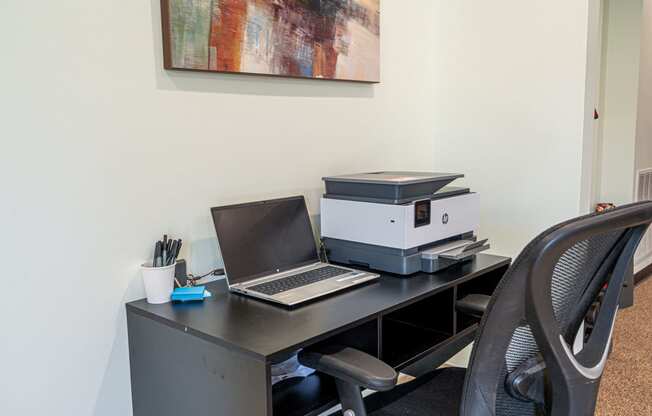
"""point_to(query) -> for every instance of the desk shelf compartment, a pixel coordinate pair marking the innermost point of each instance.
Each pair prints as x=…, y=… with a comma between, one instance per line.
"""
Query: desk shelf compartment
x=483, y=285
x=416, y=330
x=308, y=396
x=316, y=393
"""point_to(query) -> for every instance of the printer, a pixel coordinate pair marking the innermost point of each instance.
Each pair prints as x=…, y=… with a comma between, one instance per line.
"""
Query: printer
x=400, y=222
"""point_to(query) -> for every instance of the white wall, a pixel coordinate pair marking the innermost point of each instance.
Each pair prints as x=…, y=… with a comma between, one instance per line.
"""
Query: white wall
x=622, y=43
x=510, y=107
x=643, y=149
x=591, y=146
x=102, y=151
x=644, y=129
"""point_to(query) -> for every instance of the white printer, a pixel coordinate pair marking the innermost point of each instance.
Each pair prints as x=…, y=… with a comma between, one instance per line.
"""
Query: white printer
x=400, y=222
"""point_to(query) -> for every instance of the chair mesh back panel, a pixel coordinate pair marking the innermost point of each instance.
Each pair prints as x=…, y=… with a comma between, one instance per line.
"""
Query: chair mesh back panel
x=574, y=271
x=521, y=347
x=504, y=339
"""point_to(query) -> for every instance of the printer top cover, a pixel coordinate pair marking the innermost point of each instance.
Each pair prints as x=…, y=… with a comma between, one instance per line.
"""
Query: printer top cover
x=387, y=186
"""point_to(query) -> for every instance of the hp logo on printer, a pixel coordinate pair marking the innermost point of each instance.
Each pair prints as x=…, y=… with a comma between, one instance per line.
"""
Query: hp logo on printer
x=444, y=219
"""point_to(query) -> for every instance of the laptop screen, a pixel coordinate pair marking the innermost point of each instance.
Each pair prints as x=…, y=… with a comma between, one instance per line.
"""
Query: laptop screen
x=262, y=238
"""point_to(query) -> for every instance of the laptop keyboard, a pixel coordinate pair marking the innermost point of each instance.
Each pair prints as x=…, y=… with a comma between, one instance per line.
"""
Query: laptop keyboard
x=298, y=280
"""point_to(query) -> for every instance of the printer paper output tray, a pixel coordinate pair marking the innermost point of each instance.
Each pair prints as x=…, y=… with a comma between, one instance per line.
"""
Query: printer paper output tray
x=456, y=250
x=405, y=262
x=446, y=255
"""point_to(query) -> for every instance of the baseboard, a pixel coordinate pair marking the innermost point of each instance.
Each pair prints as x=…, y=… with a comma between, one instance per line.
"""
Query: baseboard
x=643, y=274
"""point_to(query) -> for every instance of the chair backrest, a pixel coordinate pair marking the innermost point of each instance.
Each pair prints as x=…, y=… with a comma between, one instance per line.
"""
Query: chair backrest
x=537, y=310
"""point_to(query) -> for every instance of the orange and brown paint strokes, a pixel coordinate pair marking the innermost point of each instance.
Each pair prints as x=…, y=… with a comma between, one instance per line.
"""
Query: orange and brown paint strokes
x=331, y=39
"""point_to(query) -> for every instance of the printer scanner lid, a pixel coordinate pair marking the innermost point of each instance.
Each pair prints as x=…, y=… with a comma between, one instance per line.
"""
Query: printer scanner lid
x=388, y=187
x=396, y=178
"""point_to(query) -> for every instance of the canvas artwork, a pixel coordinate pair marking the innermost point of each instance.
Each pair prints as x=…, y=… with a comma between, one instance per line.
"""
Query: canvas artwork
x=324, y=39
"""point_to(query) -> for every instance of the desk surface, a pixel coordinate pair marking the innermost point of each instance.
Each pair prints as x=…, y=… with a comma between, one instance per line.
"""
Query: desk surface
x=267, y=331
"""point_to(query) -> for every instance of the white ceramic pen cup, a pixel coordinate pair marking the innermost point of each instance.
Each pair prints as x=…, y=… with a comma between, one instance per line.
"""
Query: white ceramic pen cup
x=159, y=282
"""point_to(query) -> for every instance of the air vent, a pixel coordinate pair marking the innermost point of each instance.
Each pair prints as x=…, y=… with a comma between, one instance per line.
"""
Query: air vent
x=644, y=193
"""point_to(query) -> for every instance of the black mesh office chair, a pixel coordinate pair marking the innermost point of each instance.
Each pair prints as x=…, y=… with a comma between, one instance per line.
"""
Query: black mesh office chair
x=523, y=360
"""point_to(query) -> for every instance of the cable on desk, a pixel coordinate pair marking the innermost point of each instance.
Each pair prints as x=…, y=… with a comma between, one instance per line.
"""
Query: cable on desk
x=192, y=279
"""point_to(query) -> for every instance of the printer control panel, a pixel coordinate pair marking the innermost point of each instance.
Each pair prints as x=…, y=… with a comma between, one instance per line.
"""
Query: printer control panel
x=422, y=213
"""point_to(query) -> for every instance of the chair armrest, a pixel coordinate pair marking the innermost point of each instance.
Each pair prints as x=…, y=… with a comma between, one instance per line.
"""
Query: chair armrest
x=351, y=366
x=474, y=304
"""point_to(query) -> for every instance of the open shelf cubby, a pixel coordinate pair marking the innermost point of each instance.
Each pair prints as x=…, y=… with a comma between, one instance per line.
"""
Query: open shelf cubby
x=316, y=393
x=483, y=285
x=302, y=396
x=416, y=330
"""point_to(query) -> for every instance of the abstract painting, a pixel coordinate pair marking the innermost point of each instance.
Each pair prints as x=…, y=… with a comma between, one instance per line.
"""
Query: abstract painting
x=322, y=39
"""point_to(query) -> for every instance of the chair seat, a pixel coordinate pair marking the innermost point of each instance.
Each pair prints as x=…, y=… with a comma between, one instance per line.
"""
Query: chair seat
x=435, y=394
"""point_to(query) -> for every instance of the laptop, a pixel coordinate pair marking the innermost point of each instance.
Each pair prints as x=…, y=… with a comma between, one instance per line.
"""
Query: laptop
x=269, y=252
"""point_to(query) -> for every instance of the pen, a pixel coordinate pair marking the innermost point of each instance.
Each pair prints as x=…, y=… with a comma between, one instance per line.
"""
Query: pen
x=164, y=257
x=171, y=253
x=155, y=254
x=178, y=249
x=158, y=262
x=175, y=250
x=163, y=254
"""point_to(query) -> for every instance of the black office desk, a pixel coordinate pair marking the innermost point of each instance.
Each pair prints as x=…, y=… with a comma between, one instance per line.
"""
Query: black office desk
x=213, y=358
